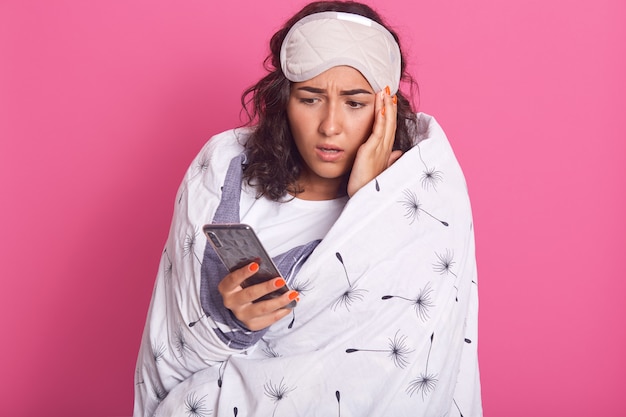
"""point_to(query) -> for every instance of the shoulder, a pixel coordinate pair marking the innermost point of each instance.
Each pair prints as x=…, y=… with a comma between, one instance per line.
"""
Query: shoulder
x=200, y=191
x=229, y=142
x=210, y=164
x=218, y=151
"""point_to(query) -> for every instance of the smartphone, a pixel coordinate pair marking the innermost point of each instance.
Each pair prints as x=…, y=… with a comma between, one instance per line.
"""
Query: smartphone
x=237, y=245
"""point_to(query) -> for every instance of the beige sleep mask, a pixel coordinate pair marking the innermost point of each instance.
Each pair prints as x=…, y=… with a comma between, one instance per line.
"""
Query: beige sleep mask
x=324, y=40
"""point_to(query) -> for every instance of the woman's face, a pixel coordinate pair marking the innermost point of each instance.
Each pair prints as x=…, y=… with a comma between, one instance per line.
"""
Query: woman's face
x=330, y=116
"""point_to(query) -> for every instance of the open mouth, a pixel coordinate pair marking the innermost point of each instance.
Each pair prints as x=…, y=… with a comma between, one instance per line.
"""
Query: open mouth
x=329, y=153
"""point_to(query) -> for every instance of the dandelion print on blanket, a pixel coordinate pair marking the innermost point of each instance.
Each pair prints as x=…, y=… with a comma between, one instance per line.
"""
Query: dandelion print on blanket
x=276, y=392
x=422, y=303
x=425, y=383
x=430, y=176
x=413, y=208
x=351, y=294
x=398, y=350
x=195, y=406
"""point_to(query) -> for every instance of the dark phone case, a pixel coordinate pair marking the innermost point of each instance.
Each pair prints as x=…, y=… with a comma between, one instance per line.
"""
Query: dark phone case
x=237, y=245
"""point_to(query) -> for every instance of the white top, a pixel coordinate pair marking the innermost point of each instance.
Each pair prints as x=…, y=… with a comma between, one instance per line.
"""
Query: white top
x=284, y=225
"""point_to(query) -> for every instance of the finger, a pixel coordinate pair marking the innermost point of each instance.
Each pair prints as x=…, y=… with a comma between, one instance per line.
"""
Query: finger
x=395, y=155
x=261, y=322
x=384, y=128
x=254, y=292
x=378, y=130
x=232, y=281
x=264, y=313
x=391, y=112
x=266, y=307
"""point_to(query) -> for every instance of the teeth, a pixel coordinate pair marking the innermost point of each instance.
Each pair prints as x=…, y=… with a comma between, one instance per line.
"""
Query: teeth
x=330, y=150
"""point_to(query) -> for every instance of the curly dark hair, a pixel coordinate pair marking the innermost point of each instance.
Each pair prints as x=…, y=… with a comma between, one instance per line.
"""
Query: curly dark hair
x=274, y=164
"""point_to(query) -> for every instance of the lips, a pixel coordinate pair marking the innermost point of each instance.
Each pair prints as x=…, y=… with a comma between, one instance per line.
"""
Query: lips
x=329, y=153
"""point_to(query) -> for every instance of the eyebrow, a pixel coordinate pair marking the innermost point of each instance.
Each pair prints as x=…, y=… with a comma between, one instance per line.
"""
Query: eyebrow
x=341, y=93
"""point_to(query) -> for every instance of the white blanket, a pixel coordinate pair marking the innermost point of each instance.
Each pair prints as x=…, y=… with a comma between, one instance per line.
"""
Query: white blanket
x=386, y=325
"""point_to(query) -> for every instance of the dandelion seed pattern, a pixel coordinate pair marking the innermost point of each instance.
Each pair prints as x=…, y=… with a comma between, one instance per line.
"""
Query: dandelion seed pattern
x=189, y=245
x=201, y=167
x=158, y=351
x=139, y=377
x=398, y=350
x=457, y=407
x=412, y=208
x=349, y=297
x=220, y=371
x=338, y=397
x=425, y=383
x=293, y=319
x=444, y=263
x=271, y=353
x=430, y=176
x=193, y=323
x=195, y=407
x=352, y=294
x=276, y=392
x=167, y=266
x=159, y=393
x=422, y=303
x=203, y=164
x=180, y=343
x=443, y=267
x=302, y=286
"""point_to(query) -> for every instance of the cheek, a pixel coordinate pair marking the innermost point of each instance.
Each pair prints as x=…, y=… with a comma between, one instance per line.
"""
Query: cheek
x=363, y=125
x=293, y=121
x=297, y=115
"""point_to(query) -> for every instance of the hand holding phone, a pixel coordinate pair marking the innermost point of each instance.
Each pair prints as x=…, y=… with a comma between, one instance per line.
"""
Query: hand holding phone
x=237, y=245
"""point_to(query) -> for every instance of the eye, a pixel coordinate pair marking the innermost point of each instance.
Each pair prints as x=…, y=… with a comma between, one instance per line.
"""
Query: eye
x=355, y=104
x=308, y=100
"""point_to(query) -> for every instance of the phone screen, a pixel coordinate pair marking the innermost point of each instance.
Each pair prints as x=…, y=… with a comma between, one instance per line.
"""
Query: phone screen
x=237, y=245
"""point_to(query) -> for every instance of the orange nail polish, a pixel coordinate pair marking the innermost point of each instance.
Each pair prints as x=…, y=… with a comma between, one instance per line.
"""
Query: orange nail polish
x=395, y=99
x=382, y=111
x=253, y=267
x=279, y=283
x=293, y=295
x=388, y=91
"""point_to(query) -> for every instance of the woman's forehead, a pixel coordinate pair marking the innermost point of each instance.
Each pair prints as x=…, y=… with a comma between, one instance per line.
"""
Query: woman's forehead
x=342, y=76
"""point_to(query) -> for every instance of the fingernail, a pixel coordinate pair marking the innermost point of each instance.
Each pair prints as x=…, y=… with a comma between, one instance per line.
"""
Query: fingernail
x=395, y=99
x=253, y=267
x=279, y=283
x=382, y=111
x=388, y=91
x=293, y=295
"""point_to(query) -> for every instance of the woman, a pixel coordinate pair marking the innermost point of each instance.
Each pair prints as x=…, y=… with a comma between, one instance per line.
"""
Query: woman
x=364, y=209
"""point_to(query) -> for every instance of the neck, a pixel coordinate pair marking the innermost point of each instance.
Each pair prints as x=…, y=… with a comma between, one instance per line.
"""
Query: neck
x=323, y=189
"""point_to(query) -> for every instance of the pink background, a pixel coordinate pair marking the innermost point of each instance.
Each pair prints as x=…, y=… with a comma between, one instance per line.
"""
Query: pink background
x=104, y=103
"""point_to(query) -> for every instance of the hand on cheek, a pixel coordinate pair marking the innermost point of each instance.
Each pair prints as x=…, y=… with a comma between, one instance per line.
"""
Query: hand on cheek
x=376, y=155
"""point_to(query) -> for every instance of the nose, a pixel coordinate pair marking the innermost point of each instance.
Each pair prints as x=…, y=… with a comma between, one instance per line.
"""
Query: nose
x=332, y=120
